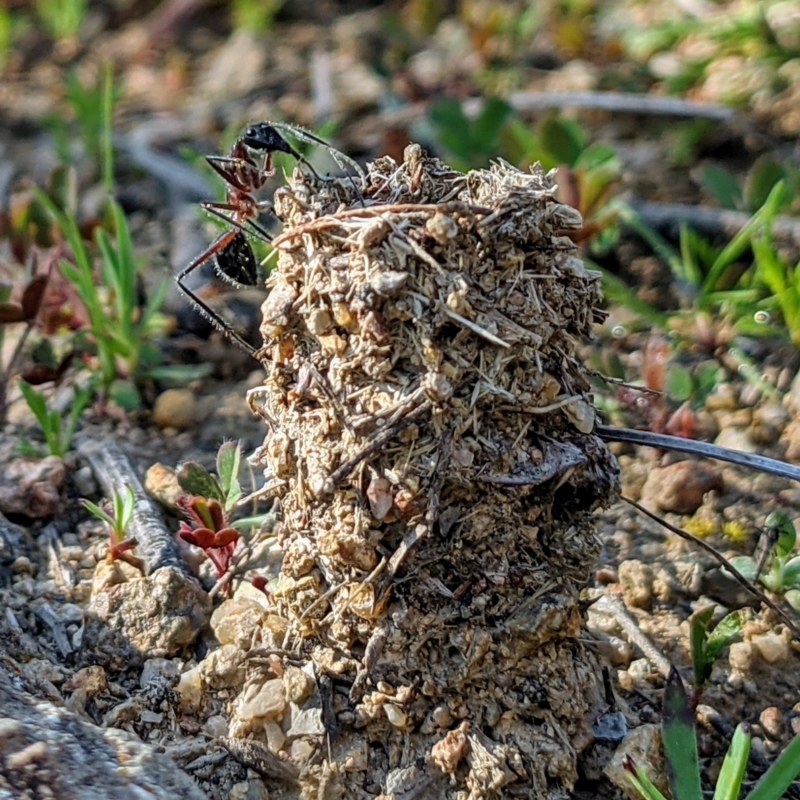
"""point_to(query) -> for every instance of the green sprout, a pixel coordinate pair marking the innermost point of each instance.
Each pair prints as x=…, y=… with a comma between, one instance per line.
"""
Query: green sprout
x=118, y=518
x=61, y=18
x=57, y=434
x=778, y=568
x=683, y=765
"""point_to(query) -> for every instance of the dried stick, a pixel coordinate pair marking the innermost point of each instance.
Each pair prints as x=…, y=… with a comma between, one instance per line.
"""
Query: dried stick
x=341, y=472
x=616, y=608
x=432, y=514
x=662, y=440
x=114, y=471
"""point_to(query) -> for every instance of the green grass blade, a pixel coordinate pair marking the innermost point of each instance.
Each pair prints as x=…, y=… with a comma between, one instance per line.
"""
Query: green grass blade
x=680, y=741
x=739, y=244
x=777, y=779
x=729, y=782
x=642, y=783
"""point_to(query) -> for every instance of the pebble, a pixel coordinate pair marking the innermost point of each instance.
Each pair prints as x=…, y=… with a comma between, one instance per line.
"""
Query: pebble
x=771, y=720
x=31, y=488
x=769, y=420
x=736, y=439
x=276, y=738
x=22, y=566
x=266, y=701
x=772, y=647
x=234, y=621
x=175, y=408
x=740, y=656
x=615, y=650
x=156, y=667
x=680, y=487
x=636, y=581
x=216, y=726
x=643, y=745
x=85, y=484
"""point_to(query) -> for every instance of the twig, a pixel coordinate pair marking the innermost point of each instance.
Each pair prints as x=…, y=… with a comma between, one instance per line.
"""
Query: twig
x=616, y=608
x=710, y=221
x=432, y=514
x=729, y=568
x=341, y=472
x=665, y=442
x=114, y=471
x=467, y=323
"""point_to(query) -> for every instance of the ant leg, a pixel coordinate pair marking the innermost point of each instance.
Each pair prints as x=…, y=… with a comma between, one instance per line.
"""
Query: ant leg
x=213, y=250
x=254, y=228
x=307, y=136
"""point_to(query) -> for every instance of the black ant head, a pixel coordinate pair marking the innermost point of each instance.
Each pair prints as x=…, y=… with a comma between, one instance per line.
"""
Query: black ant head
x=262, y=136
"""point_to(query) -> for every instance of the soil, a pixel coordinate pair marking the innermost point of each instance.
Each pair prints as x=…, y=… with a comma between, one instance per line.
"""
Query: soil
x=188, y=84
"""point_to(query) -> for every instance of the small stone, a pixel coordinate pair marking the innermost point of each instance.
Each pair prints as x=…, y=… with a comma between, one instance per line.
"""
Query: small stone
x=736, y=439
x=190, y=689
x=175, y=408
x=224, y=668
x=234, y=621
x=303, y=751
x=643, y=745
x=740, y=656
x=299, y=685
x=772, y=647
x=615, y=650
x=22, y=566
x=31, y=488
x=152, y=617
x=251, y=789
x=771, y=720
x=680, y=487
x=216, y=726
x=266, y=701
x=636, y=580
x=161, y=482
x=91, y=679
x=769, y=420
x=305, y=722
x=275, y=736
x=395, y=715
x=85, y=484
x=156, y=667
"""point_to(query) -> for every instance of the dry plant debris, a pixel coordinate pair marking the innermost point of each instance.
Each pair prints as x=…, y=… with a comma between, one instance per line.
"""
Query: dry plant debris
x=431, y=443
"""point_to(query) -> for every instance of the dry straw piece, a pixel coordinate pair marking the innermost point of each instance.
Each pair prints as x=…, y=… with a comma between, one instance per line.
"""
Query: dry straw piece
x=430, y=441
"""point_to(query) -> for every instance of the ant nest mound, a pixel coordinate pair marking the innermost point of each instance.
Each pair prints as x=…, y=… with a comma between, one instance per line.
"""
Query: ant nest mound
x=430, y=440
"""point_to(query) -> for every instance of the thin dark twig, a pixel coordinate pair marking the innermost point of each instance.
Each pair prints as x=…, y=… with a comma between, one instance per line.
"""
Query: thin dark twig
x=432, y=514
x=665, y=442
x=735, y=574
x=341, y=472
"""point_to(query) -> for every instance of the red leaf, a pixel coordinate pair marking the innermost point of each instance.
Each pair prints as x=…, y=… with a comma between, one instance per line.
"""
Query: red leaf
x=201, y=537
x=33, y=295
x=225, y=537
x=11, y=312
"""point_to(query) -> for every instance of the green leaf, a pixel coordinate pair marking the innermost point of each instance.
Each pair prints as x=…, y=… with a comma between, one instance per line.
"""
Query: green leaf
x=781, y=530
x=642, y=783
x=698, y=634
x=727, y=630
x=680, y=741
x=745, y=565
x=486, y=126
x=125, y=394
x=452, y=126
x=563, y=139
x=36, y=403
x=228, y=459
x=762, y=178
x=777, y=779
x=722, y=184
x=791, y=572
x=679, y=384
x=731, y=776
x=196, y=480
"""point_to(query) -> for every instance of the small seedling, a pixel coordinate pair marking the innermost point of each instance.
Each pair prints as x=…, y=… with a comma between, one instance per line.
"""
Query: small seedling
x=776, y=566
x=118, y=516
x=57, y=436
x=708, y=643
x=209, y=530
x=683, y=765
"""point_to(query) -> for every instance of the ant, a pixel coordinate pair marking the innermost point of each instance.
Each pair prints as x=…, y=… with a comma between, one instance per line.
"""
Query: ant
x=235, y=262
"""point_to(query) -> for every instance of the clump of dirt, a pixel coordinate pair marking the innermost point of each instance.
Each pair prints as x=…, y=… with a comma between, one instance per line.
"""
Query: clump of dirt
x=430, y=440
